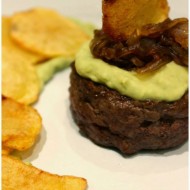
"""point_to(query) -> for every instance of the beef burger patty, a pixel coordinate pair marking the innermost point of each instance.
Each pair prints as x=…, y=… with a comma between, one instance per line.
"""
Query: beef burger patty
x=113, y=120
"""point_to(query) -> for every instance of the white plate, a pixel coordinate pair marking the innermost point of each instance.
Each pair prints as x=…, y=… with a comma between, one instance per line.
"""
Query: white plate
x=62, y=150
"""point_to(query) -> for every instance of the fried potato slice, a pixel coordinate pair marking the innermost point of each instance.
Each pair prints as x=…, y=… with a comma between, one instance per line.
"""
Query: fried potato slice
x=46, y=32
x=6, y=150
x=19, y=81
x=121, y=18
x=21, y=124
x=17, y=175
x=17, y=53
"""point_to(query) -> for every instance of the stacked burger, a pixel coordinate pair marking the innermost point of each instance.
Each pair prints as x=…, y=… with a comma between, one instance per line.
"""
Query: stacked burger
x=129, y=85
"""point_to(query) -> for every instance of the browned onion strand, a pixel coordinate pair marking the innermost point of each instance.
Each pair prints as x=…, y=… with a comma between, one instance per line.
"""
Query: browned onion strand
x=180, y=34
x=156, y=45
x=157, y=63
x=155, y=30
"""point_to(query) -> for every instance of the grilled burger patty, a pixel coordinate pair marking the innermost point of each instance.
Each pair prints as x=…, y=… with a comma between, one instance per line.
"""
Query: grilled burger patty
x=113, y=120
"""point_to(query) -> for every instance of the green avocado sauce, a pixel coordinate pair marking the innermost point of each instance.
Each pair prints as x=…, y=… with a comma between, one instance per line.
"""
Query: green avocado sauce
x=47, y=69
x=168, y=83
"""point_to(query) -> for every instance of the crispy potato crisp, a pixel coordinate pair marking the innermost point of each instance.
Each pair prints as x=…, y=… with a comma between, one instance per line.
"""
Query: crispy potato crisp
x=21, y=124
x=19, y=176
x=122, y=18
x=16, y=52
x=6, y=151
x=19, y=81
x=46, y=32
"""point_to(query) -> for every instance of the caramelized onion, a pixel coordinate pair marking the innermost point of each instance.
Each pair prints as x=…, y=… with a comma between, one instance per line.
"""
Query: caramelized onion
x=153, y=47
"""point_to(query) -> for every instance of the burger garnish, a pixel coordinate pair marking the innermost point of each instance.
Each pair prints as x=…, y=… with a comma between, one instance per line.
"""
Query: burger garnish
x=155, y=46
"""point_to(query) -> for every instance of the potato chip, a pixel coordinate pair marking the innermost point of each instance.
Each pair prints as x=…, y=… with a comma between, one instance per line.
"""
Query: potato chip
x=19, y=81
x=6, y=150
x=17, y=175
x=122, y=18
x=21, y=124
x=46, y=32
x=15, y=52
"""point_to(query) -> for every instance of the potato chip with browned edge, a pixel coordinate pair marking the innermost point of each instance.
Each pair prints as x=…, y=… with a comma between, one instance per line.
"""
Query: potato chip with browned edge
x=121, y=18
x=21, y=125
x=17, y=175
x=6, y=150
x=48, y=33
x=19, y=81
x=16, y=52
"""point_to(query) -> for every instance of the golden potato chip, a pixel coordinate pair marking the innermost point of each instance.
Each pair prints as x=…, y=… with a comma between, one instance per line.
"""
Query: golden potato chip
x=19, y=176
x=21, y=124
x=122, y=18
x=16, y=53
x=19, y=81
x=46, y=32
x=6, y=150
